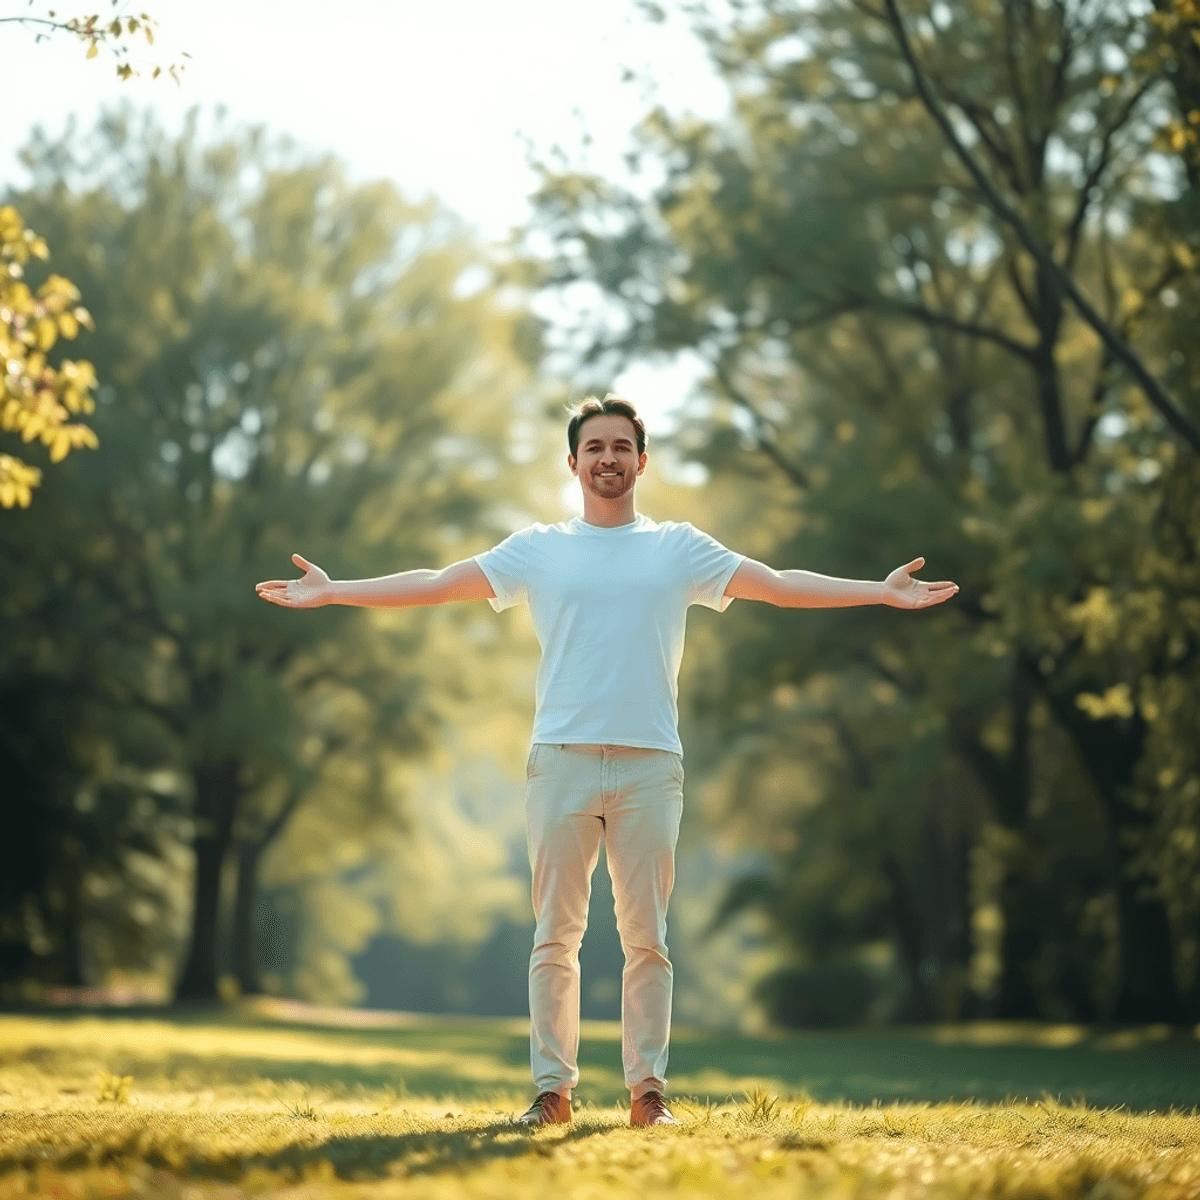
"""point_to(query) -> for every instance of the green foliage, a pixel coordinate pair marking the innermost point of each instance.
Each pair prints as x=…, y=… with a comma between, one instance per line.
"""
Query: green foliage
x=986, y=809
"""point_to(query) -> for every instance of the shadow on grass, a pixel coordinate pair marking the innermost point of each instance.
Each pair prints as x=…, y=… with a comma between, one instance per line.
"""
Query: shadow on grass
x=899, y=1066
x=366, y=1157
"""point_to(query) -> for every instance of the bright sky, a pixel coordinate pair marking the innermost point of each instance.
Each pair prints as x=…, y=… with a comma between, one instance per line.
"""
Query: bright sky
x=437, y=95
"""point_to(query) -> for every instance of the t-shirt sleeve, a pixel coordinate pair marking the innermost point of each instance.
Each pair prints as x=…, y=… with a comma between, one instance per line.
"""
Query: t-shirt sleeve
x=712, y=567
x=506, y=566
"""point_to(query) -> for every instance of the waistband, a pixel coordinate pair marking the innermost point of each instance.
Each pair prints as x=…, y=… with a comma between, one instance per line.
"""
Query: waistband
x=604, y=748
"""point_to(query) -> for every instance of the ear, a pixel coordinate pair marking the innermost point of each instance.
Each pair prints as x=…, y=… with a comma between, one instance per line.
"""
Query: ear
x=642, y=462
x=571, y=463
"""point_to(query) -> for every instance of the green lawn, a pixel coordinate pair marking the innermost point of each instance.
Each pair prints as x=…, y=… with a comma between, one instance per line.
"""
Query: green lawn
x=301, y=1102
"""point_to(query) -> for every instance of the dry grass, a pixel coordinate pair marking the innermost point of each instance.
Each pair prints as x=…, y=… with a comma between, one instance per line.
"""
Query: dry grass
x=187, y=1112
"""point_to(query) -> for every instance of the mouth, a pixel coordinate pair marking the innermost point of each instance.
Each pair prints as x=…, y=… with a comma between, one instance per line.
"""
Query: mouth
x=608, y=474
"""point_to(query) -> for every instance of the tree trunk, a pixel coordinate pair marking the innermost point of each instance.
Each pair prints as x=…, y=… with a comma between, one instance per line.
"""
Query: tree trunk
x=74, y=974
x=246, y=966
x=1008, y=781
x=217, y=794
x=924, y=1002
x=1049, y=316
x=1109, y=750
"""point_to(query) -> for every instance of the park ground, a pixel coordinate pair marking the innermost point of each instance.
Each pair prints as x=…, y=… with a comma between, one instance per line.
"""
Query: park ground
x=279, y=1100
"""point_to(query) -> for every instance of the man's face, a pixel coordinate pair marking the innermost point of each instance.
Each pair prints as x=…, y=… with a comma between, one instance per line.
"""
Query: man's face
x=608, y=463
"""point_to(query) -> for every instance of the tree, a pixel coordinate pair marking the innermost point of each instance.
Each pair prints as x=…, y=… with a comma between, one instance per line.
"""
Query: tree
x=915, y=375
x=298, y=364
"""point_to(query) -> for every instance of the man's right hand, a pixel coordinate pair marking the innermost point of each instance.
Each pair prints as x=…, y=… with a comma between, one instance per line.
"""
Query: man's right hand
x=313, y=590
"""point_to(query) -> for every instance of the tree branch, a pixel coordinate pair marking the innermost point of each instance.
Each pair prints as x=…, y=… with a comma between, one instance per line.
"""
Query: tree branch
x=943, y=320
x=1098, y=168
x=765, y=442
x=1178, y=420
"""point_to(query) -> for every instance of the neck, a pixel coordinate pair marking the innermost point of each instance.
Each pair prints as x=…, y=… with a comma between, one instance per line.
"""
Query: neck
x=608, y=513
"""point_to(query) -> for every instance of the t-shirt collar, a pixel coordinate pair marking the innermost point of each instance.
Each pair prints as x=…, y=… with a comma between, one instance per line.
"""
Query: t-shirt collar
x=583, y=526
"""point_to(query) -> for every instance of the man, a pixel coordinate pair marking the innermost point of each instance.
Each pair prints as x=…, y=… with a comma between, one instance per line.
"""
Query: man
x=608, y=593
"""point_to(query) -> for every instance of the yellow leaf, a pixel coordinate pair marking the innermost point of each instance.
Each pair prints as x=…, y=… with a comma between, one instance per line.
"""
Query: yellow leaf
x=1115, y=702
x=61, y=447
x=59, y=285
x=47, y=332
x=85, y=318
x=67, y=324
x=149, y=34
x=93, y=50
x=115, y=28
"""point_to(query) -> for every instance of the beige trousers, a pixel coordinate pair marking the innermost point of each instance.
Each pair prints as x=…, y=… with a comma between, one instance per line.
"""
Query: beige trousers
x=575, y=796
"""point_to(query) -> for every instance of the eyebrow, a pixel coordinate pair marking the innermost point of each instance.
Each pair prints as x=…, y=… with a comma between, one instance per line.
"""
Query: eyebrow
x=597, y=441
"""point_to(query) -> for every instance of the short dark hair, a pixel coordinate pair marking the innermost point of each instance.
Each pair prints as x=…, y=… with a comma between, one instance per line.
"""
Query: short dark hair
x=593, y=407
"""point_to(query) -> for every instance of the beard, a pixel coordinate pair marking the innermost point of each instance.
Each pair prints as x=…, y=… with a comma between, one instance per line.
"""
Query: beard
x=610, y=489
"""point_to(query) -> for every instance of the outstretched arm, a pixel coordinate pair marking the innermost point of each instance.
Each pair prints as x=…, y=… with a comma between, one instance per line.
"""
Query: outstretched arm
x=409, y=589
x=806, y=589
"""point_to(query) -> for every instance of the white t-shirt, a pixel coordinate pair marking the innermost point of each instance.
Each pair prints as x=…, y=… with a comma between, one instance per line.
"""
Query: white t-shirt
x=609, y=607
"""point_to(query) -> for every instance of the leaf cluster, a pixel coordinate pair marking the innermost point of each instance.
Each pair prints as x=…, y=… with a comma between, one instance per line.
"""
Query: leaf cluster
x=38, y=400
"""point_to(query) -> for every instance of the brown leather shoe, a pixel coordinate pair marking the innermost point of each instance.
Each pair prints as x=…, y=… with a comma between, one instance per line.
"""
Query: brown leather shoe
x=548, y=1109
x=651, y=1109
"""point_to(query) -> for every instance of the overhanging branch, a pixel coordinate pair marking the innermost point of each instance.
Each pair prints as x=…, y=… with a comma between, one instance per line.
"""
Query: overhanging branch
x=1117, y=346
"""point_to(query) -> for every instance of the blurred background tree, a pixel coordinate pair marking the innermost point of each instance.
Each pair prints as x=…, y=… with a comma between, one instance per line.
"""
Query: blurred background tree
x=991, y=809
x=296, y=363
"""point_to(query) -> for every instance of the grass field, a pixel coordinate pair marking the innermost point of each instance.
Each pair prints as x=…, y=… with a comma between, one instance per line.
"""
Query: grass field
x=302, y=1103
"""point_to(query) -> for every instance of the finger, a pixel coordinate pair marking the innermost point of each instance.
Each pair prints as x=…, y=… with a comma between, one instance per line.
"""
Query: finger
x=272, y=584
x=942, y=585
x=915, y=565
x=302, y=563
